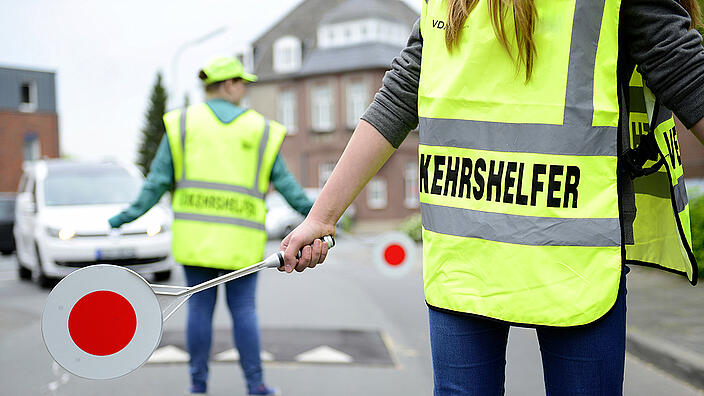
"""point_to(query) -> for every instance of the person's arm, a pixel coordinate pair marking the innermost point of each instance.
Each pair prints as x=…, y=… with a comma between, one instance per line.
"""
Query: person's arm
x=394, y=111
x=669, y=55
x=288, y=186
x=158, y=181
x=364, y=155
x=385, y=124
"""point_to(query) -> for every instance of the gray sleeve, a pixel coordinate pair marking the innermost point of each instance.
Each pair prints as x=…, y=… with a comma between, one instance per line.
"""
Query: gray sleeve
x=669, y=55
x=394, y=111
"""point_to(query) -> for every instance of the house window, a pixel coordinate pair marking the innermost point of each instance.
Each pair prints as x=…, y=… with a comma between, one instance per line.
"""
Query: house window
x=31, y=148
x=287, y=54
x=322, y=108
x=376, y=193
x=28, y=96
x=356, y=102
x=324, y=172
x=287, y=110
x=410, y=176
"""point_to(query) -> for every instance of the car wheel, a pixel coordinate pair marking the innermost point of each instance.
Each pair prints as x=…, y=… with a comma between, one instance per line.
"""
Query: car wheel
x=162, y=276
x=23, y=272
x=43, y=280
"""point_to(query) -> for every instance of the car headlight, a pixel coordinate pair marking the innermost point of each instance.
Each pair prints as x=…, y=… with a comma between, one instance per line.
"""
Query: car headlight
x=64, y=234
x=154, y=229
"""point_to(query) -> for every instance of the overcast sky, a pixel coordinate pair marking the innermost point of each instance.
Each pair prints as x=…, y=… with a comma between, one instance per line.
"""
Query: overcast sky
x=106, y=55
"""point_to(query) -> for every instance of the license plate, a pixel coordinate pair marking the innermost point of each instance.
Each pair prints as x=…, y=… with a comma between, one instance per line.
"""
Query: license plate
x=114, y=253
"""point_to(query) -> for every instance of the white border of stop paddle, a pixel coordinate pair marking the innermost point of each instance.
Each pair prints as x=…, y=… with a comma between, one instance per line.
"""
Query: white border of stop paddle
x=72, y=288
x=394, y=238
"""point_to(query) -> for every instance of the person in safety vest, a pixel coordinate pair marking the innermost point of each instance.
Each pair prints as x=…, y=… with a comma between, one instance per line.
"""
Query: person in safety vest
x=547, y=162
x=220, y=158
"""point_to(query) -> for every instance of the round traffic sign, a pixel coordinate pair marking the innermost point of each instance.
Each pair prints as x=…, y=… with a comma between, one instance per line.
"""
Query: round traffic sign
x=394, y=254
x=102, y=322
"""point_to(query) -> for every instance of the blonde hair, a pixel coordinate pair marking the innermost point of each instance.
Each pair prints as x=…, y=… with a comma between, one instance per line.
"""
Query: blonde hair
x=524, y=17
x=695, y=12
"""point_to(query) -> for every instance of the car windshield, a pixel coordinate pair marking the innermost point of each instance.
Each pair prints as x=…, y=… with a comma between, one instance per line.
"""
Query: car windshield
x=92, y=185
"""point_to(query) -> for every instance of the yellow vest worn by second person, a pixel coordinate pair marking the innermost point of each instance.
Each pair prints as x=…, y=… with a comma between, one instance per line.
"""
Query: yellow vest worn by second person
x=222, y=172
x=518, y=180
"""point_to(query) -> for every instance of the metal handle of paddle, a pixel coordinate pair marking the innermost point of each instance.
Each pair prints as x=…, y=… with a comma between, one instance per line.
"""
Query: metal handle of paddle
x=270, y=263
x=273, y=261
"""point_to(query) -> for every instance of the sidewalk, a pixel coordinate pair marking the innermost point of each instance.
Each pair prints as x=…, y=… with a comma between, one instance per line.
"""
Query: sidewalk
x=666, y=322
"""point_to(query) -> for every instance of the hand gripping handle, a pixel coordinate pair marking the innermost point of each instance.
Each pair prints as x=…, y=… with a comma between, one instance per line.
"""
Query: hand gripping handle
x=279, y=262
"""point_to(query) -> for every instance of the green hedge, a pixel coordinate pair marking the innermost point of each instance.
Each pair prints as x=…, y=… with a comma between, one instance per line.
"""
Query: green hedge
x=412, y=226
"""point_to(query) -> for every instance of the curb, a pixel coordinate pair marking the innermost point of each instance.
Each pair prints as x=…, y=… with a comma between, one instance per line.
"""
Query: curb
x=679, y=362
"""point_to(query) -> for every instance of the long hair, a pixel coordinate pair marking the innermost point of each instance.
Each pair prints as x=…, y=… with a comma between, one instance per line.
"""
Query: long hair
x=524, y=17
x=695, y=12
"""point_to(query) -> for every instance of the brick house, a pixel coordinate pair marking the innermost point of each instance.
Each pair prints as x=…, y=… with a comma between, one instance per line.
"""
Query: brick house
x=319, y=68
x=692, y=153
x=29, y=126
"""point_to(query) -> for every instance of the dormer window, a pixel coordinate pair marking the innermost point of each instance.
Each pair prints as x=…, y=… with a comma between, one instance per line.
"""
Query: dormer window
x=287, y=54
x=370, y=30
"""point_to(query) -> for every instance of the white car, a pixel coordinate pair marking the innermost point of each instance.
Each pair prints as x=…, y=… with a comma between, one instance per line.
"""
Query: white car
x=61, y=221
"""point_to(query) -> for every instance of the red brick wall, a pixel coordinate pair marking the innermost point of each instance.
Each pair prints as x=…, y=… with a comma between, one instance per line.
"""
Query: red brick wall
x=13, y=127
x=692, y=153
x=306, y=150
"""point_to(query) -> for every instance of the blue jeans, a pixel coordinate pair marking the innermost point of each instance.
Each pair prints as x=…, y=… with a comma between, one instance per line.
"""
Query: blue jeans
x=469, y=354
x=199, y=328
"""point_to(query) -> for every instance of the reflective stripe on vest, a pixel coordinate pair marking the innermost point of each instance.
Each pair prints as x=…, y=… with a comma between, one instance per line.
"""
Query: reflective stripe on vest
x=661, y=230
x=222, y=172
x=518, y=181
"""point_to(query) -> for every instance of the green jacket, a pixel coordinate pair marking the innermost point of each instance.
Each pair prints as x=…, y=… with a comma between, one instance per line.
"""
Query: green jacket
x=161, y=175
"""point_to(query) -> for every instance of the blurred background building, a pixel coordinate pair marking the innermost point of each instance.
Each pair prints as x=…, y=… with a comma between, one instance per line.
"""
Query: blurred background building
x=692, y=154
x=28, y=121
x=319, y=68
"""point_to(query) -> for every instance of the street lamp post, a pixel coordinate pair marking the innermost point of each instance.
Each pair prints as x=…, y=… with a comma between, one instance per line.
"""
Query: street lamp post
x=177, y=55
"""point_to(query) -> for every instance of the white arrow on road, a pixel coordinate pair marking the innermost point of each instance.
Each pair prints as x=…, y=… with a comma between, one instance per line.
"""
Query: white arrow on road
x=324, y=354
x=169, y=354
x=231, y=355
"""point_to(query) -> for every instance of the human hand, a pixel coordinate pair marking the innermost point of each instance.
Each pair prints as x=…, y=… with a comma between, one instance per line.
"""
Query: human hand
x=306, y=239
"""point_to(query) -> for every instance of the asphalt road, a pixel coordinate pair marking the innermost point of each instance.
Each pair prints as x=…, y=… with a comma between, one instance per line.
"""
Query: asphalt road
x=334, y=306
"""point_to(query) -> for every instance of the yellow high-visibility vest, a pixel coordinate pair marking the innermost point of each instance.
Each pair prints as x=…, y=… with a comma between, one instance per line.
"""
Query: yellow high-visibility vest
x=222, y=172
x=661, y=231
x=518, y=180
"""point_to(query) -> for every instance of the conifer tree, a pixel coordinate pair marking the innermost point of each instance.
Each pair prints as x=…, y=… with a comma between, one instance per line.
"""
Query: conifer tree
x=153, y=129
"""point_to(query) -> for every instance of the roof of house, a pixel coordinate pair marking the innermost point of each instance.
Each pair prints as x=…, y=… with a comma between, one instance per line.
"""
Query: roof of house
x=353, y=10
x=342, y=59
x=301, y=22
x=305, y=19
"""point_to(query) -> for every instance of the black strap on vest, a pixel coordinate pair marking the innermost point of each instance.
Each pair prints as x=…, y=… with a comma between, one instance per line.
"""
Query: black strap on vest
x=647, y=149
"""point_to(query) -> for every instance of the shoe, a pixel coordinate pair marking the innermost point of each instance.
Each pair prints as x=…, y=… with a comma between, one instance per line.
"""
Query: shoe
x=264, y=390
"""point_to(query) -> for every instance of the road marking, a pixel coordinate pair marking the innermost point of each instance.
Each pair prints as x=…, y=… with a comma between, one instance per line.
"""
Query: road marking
x=335, y=346
x=169, y=354
x=324, y=354
x=231, y=355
